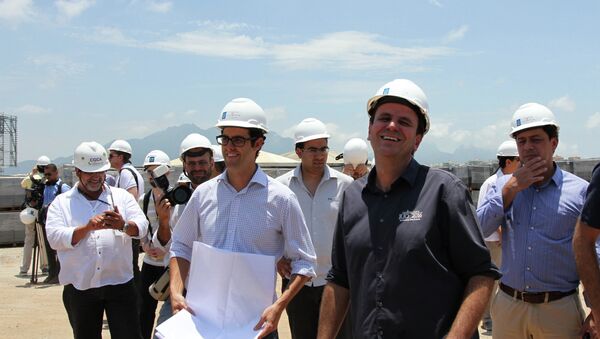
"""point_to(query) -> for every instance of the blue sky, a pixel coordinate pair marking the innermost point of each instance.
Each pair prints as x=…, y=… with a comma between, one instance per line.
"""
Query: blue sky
x=99, y=70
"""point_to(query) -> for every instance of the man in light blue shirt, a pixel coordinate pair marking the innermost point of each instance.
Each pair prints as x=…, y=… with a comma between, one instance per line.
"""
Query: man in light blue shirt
x=243, y=210
x=537, y=206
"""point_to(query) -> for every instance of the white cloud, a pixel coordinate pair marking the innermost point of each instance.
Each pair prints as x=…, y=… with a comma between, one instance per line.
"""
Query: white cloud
x=353, y=50
x=456, y=34
x=224, y=45
x=30, y=109
x=73, y=8
x=160, y=7
x=563, y=103
x=593, y=121
x=448, y=138
x=16, y=11
x=334, y=51
x=218, y=25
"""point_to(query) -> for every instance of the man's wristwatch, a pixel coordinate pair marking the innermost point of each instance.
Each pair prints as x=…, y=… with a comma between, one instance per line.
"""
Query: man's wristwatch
x=125, y=227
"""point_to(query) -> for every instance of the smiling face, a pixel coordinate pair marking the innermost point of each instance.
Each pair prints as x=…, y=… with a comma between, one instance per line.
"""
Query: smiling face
x=393, y=132
x=240, y=157
x=90, y=183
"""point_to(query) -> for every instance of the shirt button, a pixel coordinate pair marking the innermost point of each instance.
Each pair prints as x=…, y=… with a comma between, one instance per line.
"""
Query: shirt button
x=385, y=195
x=528, y=268
x=527, y=287
x=379, y=275
x=99, y=252
x=381, y=220
x=534, y=208
x=529, y=248
x=531, y=227
x=379, y=304
x=98, y=268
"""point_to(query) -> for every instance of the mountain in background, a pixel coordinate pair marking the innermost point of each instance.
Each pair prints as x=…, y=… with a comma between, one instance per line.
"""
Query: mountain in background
x=169, y=139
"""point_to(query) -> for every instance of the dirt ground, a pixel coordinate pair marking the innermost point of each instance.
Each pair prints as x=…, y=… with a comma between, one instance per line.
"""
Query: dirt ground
x=36, y=311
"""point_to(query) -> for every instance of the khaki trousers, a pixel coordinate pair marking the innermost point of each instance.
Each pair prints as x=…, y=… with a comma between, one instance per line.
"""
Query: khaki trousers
x=514, y=318
x=495, y=248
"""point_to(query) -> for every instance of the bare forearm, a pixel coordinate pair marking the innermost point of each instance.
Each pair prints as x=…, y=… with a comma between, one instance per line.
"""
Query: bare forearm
x=477, y=293
x=334, y=306
x=178, y=268
x=164, y=232
x=295, y=285
x=584, y=246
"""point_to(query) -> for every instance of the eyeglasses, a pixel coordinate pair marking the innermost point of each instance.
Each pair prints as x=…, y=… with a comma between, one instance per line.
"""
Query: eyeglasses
x=314, y=150
x=237, y=141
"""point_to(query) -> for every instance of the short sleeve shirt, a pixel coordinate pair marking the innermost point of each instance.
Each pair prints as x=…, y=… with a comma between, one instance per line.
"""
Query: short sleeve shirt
x=406, y=255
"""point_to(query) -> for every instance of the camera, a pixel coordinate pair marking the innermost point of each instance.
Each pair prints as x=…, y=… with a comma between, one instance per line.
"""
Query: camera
x=176, y=195
x=34, y=196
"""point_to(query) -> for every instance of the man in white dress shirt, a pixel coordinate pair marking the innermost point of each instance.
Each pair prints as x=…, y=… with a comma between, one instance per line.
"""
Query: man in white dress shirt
x=91, y=227
x=253, y=213
x=319, y=189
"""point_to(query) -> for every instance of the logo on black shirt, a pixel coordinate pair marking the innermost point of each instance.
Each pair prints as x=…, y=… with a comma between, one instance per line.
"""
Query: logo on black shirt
x=410, y=216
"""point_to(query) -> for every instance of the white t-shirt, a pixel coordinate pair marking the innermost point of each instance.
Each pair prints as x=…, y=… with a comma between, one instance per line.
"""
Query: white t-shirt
x=125, y=180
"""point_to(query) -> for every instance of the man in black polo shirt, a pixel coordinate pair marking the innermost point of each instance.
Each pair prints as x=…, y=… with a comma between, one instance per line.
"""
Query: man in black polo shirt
x=408, y=253
x=585, y=247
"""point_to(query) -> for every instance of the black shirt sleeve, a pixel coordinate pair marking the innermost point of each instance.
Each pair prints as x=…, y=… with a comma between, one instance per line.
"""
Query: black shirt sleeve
x=591, y=209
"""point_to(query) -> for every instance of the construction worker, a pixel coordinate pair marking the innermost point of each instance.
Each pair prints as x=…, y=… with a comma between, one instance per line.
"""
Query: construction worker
x=153, y=265
x=355, y=158
x=219, y=162
x=196, y=154
x=91, y=227
x=319, y=189
x=407, y=253
x=508, y=162
x=537, y=207
x=586, y=248
x=256, y=214
x=130, y=180
x=34, y=178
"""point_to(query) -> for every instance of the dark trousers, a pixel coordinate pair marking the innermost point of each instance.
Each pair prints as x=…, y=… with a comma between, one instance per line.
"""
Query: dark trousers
x=53, y=264
x=135, y=250
x=85, y=310
x=148, y=275
x=303, y=313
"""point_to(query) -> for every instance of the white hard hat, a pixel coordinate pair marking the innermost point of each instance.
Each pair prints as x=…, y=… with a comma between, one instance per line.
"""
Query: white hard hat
x=183, y=179
x=28, y=215
x=42, y=161
x=91, y=157
x=217, y=153
x=310, y=129
x=404, y=89
x=356, y=152
x=531, y=115
x=121, y=146
x=194, y=140
x=243, y=112
x=508, y=149
x=157, y=157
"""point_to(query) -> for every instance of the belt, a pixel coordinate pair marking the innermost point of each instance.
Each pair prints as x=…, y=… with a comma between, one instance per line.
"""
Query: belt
x=535, y=297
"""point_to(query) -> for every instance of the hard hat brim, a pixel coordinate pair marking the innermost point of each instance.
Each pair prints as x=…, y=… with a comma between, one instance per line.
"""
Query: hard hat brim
x=93, y=169
x=532, y=125
x=242, y=124
x=379, y=100
x=313, y=137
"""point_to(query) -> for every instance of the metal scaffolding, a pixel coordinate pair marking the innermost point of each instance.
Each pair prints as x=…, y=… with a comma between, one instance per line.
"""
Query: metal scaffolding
x=8, y=140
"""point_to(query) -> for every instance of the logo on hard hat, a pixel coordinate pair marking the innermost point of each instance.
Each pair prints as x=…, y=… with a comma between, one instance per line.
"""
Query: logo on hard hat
x=386, y=91
x=150, y=159
x=94, y=160
x=518, y=122
x=223, y=116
